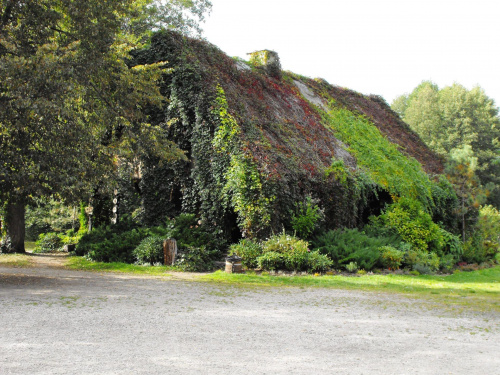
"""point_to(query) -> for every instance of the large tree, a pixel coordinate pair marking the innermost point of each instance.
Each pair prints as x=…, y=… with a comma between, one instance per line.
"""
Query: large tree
x=70, y=104
x=452, y=118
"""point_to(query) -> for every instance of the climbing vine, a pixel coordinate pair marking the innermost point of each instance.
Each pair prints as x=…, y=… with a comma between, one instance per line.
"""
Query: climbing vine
x=244, y=186
x=400, y=175
x=256, y=148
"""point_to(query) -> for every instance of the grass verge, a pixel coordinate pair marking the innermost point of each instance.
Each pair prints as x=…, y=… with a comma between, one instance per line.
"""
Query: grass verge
x=80, y=263
x=15, y=260
x=479, y=290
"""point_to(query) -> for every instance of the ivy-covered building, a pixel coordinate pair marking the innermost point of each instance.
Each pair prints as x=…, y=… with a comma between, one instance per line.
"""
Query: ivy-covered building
x=259, y=140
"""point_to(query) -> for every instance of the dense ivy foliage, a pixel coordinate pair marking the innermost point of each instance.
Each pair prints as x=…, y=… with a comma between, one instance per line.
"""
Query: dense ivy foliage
x=386, y=165
x=256, y=149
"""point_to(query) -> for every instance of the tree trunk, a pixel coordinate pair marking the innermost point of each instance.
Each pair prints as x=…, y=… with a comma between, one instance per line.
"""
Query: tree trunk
x=15, y=228
x=463, y=219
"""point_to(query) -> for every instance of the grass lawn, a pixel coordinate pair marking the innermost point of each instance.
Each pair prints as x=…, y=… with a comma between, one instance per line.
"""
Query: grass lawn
x=478, y=290
x=80, y=263
x=482, y=281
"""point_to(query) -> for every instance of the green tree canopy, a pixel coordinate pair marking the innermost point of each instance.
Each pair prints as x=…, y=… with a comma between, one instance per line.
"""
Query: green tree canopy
x=71, y=106
x=453, y=117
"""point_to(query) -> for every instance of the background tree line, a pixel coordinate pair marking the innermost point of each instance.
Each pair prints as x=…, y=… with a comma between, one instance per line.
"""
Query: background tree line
x=454, y=118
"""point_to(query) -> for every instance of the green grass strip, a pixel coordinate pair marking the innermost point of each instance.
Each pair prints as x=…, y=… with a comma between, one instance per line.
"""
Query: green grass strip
x=479, y=290
x=80, y=263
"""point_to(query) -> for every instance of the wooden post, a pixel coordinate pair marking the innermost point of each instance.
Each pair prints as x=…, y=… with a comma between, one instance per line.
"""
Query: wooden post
x=170, y=251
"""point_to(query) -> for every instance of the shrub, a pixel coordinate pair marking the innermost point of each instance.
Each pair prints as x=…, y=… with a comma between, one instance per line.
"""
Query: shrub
x=347, y=245
x=474, y=249
x=426, y=263
x=271, y=261
x=48, y=243
x=306, y=217
x=391, y=257
x=311, y=262
x=187, y=230
x=115, y=243
x=422, y=269
x=351, y=267
x=291, y=254
x=411, y=257
x=422, y=261
x=149, y=250
x=452, y=245
x=54, y=241
x=196, y=259
x=108, y=244
x=248, y=250
x=447, y=262
x=485, y=241
x=100, y=234
x=70, y=237
x=318, y=262
x=408, y=218
x=284, y=244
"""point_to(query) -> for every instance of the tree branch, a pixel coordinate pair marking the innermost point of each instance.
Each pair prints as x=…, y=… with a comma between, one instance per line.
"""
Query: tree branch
x=6, y=14
x=64, y=32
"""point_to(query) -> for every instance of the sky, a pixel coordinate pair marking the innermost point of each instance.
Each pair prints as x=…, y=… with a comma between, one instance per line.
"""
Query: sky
x=382, y=47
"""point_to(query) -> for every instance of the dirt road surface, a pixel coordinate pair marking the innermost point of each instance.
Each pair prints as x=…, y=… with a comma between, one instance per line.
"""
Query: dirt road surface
x=56, y=321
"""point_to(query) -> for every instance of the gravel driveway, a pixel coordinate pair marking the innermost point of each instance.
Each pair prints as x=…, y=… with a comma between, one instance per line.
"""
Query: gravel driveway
x=55, y=321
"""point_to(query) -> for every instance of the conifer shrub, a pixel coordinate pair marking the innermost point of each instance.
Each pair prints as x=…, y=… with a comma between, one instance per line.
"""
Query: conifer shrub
x=128, y=242
x=115, y=247
x=343, y=246
x=112, y=243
